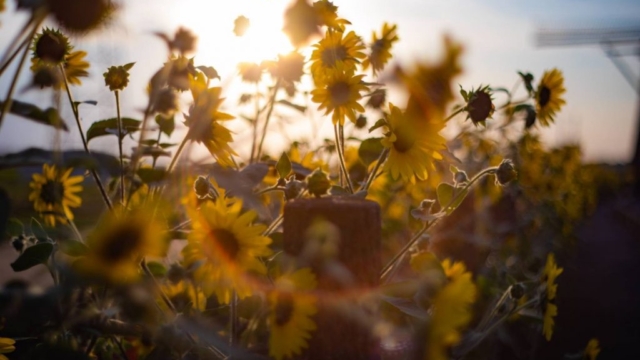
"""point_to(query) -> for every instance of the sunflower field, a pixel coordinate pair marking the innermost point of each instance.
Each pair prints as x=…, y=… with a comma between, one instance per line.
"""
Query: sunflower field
x=432, y=227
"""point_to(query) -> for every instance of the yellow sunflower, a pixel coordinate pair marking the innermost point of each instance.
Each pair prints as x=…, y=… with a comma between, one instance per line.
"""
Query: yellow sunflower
x=412, y=144
x=335, y=49
x=183, y=296
x=592, y=350
x=119, y=242
x=226, y=245
x=451, y=312
x=7, y=345
x=550, y=312
x=204, y=123
x=54, y=194
x=292, y=307
x=550, y=274
x=328, y=15
x=381, y=48
x=549, y=96
x=340, y=94
x=430, y=85
x=50, y=49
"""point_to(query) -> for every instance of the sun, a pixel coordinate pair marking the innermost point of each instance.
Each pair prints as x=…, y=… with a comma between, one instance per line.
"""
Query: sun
x=218, y=46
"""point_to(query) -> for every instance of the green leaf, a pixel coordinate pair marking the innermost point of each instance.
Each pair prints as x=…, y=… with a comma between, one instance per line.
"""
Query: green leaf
x=49, y=116
x=464, y=93
x=300, y=108
x=283, y=166
x=89, y=102
x=110, y=127
x=32, y=256
x=380, y=123
x=128, y=66
x=157, y=269
x=521, y=107
x=407, y=306
x=14, y=227
x=167, y=125
x=152, y=175
x=154, y=152
x=454, y=170
x=38, y=230
x=527, y=78
x=73, y=248
x=209, y=71
x=370, y=150
x=501, y=89
x=446, y=195
x=166, y=145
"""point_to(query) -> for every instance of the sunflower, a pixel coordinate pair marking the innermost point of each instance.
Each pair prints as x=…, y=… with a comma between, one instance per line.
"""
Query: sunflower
x=550, y=312
x=50, y=49
x=227, y=245
x=183, y=296
x=291, y=310
x=335, y=49
x=328, y=14
x=119, y=242
x=550, y=274
x=204, y=124
x=7, y=345
x=340, y=93
x=412, y=145
x=549, y=96
x=54, y=194
x=451, y=312
x=592, y=350
x=381, y=48
x=429, y=85
x=480, y=105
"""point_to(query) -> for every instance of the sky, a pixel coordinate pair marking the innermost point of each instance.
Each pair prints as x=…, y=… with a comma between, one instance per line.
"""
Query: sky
x=498, y=35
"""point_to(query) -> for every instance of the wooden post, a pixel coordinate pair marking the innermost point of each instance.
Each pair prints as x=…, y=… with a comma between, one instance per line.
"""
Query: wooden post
x=346, y=260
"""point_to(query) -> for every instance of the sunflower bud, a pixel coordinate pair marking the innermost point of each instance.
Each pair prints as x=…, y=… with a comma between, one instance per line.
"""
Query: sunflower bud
x=516, y=291
x=460, y=177
x=292, y=189
x=361, y=122
x=505, y=173
x=318, y=183
x=117, y=77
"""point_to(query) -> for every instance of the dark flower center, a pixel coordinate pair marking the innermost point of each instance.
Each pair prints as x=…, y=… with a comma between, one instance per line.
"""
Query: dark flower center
x=544, y=95
x=480, y=107
x=226, y=242
x=50, y=48
x=333, y=54
x=339, y=93
x=121, y=242
x=52, y=192
x=284, y=309
x=405, y=137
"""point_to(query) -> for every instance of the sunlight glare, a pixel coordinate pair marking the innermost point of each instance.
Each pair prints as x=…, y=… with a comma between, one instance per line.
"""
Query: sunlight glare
x=219, y=47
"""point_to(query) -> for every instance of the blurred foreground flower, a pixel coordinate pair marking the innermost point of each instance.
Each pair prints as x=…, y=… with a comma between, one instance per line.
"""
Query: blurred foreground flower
x=7, y=345
x=119, y=242
x=53, y=194
x=225, y=246
x=381, y=48
x=592, y=350
x=292, y=307
x=549, y=275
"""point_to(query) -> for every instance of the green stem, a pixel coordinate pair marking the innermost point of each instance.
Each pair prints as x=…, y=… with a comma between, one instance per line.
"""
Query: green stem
x=494, y=326
x=119, y=119
x=76, y=115
x=174, y=161
x=6, y=59
x=269, y=189
x=122, y=352
x=73, y=227
x=273, y=226
x=495, y=309
x=8, y=99
x=165, y=298
x=255, y=126
x=343, y=165
x=400, y=255
x=454, y=114
x=272, y=102
x=233, y=318
x=155, y=159
x=372, y=176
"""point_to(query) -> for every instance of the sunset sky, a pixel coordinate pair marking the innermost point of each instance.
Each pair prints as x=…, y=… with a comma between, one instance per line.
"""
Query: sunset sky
x=499, y=38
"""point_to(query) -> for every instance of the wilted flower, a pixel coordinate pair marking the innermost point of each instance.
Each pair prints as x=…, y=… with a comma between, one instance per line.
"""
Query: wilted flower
x=479, y=105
